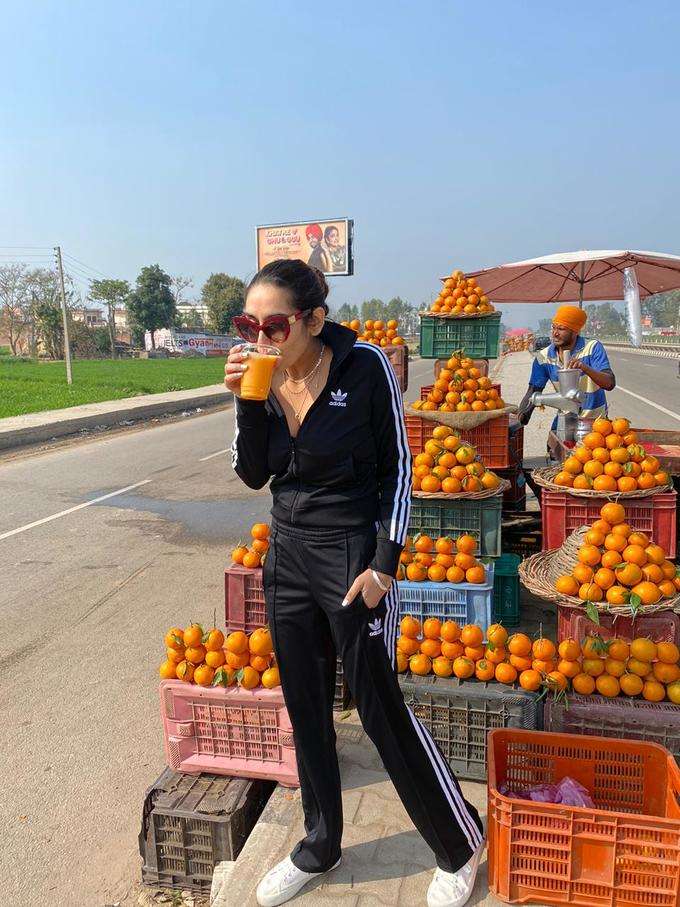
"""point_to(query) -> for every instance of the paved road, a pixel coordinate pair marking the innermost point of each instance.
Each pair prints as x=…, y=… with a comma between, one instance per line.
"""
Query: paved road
x=84, y=603
x=649, y=377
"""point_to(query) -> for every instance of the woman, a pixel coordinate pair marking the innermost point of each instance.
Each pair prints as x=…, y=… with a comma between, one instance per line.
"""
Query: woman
x=331, y=438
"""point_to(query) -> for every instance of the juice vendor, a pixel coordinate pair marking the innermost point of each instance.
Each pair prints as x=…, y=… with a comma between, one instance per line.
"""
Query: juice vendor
x=587, y=355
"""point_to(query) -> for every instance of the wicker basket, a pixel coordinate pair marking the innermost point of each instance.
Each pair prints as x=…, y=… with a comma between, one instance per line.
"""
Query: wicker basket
x=465, y=421
x=539, y=572
x=467, y=495
x=545, y=478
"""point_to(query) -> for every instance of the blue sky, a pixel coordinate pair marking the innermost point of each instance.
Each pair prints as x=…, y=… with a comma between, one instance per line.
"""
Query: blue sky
x=455, y=134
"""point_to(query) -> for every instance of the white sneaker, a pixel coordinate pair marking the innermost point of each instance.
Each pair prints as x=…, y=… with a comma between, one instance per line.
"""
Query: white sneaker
x=453, y=889
x=283, y=882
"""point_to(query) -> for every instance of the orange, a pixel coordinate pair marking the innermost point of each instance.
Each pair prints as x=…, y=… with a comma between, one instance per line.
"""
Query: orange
x=236, y=662
x=582, y=482
x=193, y=635
x=665, y=673
x=634, y=554
x=416, y=572
x=567, y=585
x=215, y=659
x=474, y=653
x=430, y=484
x=583, y=684
x=638, y=538
x=251, y=560
x=466, y=544
x=641, y=668
x=203, y=675
x=589, y=554
x=613, y=513
x=593, y=666
x=248, y=678
x=408, y=645
x=168, y=670
x=668, y=569
x=519, y=644
x=655, y=554
x=195, y=654
x=569, y=649
x=646, y=481
x=653, y=573
x=614, y=667
x=662, y=478
x=260, y=642
x=530, y=680
x=402, y=664
x=613, y=441
x=505, y=673
x=636, y=452
x=174, y=638
x=620, y=455
x=177, y=655
x=431, y=647
x=593, y=468
x=463, y=667
x=631, y=684
x=465, y=561
x=452, y=650
x=653, y=691
x=644, y=649
x=451, y=485
x=673, y=692
x=626, y=483
x=410, y=627
x=485, y=670
x=237, y=642
x=607, y=685
x=442, y=667
x=569, y=668
x=628, y=574
x=651, y=465
x=666, y=588
x=543, y=667
x=604, y=483
x=602, y=426
x=423, y=543
x=432, y=628
x=260, y=546
x=238, y=554
x=444, y=544
x=604, y=578
x=573, y=465
x=455, y=574
x=420, y=664
x=495, y=654
x=521, y=662
x=259, y=662
x=543, y=649
x=497, y=635
x=593, y=439
x=622, y=529
x=556, y=681
x=564, y=479
x=618, y=649
x=590, y=592
x=594, y=537
x=620, y=426
x=614, y=541
x=471, y=635
x=436, y=573
x=648, y=592
x=582, y=454
x=601, y=455
x=214, y=640
x=592, y=647
x=602, y=526
x=259, y=530
x=185, y=671
x=475, y=574
x=611, y=559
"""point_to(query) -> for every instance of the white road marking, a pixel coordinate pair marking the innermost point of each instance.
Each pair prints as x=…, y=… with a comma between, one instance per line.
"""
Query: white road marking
x=645, y=400
x=55, y=516
x=216, y=454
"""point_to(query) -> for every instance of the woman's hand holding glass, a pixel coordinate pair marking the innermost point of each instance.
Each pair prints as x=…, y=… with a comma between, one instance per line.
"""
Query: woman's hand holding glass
x=234, y=367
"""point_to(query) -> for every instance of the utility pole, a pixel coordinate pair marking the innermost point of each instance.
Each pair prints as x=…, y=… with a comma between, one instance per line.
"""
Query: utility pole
x=67, y=344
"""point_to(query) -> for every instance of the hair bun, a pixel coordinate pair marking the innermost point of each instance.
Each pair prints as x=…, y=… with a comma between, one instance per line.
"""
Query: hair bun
x=323, y=283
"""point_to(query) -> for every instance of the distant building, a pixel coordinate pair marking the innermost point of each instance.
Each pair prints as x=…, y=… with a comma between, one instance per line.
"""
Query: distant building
x=191, y=312
x=92, y=316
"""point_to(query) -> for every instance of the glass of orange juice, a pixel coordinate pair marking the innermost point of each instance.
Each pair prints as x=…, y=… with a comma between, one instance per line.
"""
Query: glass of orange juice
x=260, y=364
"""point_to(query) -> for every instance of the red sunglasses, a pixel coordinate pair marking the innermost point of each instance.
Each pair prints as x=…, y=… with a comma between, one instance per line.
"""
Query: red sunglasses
x=276, y=327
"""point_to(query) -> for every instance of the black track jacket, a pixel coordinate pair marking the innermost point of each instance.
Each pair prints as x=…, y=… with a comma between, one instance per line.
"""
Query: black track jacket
x=350, y=464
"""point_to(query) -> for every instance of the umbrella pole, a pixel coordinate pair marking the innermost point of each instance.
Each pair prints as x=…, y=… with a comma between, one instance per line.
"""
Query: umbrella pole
x=580, y=285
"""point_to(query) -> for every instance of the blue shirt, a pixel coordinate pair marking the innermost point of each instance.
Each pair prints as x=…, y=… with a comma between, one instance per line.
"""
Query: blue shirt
x=591, y=353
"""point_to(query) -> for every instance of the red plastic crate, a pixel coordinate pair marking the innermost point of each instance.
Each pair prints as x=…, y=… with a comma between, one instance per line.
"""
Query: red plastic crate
x=662, y=626
x=228, y=731
x=515, y=497
x=492, y=439
x=244, y=609
x=398, y=356
x=562, y=513
x=622, y=852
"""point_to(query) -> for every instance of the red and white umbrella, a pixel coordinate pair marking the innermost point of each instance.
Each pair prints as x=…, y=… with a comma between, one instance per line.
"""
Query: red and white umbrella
x=579, y=276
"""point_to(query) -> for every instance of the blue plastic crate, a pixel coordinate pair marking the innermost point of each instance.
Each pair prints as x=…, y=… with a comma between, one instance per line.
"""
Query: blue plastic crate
x=462, y=602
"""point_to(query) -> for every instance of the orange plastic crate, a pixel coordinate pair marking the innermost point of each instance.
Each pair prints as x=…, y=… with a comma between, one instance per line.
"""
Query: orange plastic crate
x=492, y=439
x=626, y=851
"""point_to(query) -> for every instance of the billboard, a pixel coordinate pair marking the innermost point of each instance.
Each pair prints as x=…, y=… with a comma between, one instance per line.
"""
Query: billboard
x=192, y=342
x=325, y=244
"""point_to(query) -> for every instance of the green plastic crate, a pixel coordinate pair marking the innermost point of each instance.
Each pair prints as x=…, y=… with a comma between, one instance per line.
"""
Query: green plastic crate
x=479, y=337
x=506, y=590
x=481, y=519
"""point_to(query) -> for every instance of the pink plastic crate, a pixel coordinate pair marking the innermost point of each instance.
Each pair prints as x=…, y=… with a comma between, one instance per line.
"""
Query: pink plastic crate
x=563, y=512
x=244, y=607
x=228, y=731
x=662, y=626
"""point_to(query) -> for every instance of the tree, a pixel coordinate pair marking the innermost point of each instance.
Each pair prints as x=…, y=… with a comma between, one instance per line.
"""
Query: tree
x=225, y=297
x=663, y=309
x=46, y=321
x=114, y=293
x=15, y=299
x=372, y=309
x=191, y=321
x=604, y=320
x=347, y=312
x=544, y=327
x=179, y=285
x=152, y=305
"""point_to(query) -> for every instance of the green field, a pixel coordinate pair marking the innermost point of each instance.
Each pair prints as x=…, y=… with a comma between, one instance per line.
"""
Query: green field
x=30, y=387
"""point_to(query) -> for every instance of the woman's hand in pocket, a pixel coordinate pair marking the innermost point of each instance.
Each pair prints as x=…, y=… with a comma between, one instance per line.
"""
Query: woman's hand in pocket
x=369, y=589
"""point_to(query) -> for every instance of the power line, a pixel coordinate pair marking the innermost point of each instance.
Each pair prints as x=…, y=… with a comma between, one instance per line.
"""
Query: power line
x=82, y=264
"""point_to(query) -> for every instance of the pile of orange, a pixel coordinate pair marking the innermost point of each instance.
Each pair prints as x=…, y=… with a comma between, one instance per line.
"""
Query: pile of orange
x=619, y=565
x=445, y=649
x=461, y=296
x=460, y=387
x=611, y=459
x=254, y=555
x=449, y=465
x=441, y=560
x=379, y=333
x=616, y=667
x=208, y=659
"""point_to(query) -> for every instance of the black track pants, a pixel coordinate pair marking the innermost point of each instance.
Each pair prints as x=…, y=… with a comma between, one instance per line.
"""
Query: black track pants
x=306, y=575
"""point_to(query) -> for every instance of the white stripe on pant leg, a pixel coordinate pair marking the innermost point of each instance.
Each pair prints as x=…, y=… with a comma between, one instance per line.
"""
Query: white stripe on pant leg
x=394, y=626
x=467, y=824
x=388, y=633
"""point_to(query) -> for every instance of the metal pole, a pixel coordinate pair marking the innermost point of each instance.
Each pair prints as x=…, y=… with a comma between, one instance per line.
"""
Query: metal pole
x=580, y=285
x=67, y=343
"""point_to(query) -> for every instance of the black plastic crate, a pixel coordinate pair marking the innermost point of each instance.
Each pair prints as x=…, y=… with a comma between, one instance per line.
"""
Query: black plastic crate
x=460, y=713
x=192, y=822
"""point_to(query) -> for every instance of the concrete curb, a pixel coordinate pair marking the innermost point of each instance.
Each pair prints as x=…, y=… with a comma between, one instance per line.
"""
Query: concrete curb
x=643, y=351
x=33, y=428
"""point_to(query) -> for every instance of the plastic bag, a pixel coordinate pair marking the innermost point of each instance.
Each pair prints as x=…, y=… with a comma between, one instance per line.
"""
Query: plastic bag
x=568, y=792
x=571, y=793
